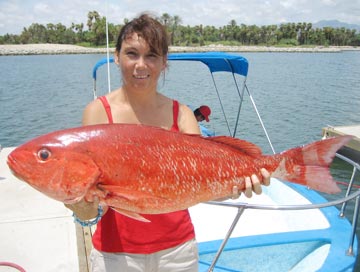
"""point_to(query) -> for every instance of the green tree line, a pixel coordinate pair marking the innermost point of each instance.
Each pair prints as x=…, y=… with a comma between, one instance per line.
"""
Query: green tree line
x=94, y=34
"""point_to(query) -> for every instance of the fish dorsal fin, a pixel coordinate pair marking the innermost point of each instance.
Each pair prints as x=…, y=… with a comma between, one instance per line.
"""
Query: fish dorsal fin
x=243, y=146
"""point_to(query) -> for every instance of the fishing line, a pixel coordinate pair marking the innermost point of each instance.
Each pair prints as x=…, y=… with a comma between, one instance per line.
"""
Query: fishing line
x=107, y=45
x=347, y=184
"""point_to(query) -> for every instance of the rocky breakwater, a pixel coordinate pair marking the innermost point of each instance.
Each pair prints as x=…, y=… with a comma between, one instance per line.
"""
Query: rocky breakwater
x=47, y=49
x=54, y=49
x=314, y=49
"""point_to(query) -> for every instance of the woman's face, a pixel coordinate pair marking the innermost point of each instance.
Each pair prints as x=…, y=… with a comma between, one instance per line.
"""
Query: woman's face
x=140, y=67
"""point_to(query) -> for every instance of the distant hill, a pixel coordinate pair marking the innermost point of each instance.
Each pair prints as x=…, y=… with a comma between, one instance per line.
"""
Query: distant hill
x=335, y=24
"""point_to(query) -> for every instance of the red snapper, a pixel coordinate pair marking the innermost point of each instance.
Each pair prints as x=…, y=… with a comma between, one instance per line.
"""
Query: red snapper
x=140, y=169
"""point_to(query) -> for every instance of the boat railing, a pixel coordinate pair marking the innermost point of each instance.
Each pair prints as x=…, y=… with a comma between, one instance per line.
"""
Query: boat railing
x=241, y=206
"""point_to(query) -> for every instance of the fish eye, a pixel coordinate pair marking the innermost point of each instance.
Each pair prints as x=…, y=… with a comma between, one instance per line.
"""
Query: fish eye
x=44, y=154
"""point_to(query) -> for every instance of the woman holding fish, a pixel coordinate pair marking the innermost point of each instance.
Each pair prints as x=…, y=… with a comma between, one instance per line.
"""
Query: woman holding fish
x=167, y=242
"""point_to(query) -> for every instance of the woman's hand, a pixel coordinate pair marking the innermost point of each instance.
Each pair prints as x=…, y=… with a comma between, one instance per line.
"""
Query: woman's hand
x=85, y=210
x=252, y=184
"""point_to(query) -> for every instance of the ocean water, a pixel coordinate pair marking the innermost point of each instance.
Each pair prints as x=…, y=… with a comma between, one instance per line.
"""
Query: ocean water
x=296, y=95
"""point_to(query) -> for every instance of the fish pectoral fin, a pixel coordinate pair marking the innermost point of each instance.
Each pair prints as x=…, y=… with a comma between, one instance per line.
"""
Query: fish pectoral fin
x=78, y=170
x=125, y=201
x=132, y=215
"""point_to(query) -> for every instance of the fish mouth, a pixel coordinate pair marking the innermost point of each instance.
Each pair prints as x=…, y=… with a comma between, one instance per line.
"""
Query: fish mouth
x=16, y=167
x=10, y=161
x=13, y=166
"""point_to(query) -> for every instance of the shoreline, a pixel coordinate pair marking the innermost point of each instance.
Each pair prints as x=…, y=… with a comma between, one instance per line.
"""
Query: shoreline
x=58, y=49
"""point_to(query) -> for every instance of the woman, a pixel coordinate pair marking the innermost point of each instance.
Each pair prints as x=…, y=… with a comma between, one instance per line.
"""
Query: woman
x=168, y=242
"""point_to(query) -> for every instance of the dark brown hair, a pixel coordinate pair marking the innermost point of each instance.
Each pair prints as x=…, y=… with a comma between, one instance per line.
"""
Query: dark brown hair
x=151, y=30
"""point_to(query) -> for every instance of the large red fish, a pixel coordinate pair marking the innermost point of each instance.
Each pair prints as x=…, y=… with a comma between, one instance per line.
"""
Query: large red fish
x=142, y=169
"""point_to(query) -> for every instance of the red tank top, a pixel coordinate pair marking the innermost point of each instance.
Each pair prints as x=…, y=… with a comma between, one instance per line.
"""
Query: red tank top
x=118, y=233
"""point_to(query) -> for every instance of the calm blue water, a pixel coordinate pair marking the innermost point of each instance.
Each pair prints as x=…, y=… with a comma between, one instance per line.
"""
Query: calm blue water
x=296, y=93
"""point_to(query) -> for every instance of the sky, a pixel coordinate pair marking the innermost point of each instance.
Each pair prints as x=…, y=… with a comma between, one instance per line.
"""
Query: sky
x=17, y=14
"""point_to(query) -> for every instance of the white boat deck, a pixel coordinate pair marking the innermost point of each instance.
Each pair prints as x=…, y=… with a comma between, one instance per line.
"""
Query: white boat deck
x=212, y=222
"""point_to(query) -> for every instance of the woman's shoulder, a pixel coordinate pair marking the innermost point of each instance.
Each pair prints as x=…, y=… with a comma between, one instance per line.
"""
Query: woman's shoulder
x=187, y=121
x=102, y=101
x=94, y=112
x=185, y=109
x=94, y=105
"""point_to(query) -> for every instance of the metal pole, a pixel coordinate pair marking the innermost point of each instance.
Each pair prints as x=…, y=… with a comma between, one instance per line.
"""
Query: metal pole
x=350, y=251
x=224, y=242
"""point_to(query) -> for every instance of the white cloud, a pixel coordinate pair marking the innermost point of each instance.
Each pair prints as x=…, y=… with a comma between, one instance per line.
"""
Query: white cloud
x=329, y=2
x=16, y=14
x=42, y=8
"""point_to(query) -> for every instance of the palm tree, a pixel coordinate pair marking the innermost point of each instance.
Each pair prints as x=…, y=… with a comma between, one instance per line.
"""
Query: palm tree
x=93, y=16
x=176, y=21
x=165, y=19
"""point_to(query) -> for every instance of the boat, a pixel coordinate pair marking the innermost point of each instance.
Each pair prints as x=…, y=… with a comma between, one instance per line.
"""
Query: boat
x=287, y=228
x=350, y=150
x=286, y=220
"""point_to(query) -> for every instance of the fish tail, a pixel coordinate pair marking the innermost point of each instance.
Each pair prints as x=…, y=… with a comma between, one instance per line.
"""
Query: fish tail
x=309, y=165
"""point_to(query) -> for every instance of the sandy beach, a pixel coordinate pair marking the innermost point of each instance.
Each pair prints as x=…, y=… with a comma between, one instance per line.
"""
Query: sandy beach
x=53, y=49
